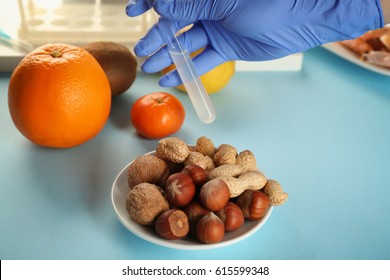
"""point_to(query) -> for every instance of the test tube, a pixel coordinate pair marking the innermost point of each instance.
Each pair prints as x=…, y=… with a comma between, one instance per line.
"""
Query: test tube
x=180, y=56
x=195, y=89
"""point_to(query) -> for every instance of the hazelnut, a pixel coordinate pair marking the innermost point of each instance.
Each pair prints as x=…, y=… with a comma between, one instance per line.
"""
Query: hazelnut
x=145, y=202
x=198, y=174
x=210, y=229
x=231, y=216
x=146, y=169
x=254, y=204
x=194, y=211
x=214, y=195
x=180, y=189
x=172, y=224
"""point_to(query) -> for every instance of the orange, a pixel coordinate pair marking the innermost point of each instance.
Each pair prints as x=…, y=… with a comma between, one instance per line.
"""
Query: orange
x=59, y=96
x=214, y=80
x=157, y=114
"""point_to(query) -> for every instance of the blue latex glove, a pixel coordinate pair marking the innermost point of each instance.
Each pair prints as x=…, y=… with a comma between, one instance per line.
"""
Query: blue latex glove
x=252, y=30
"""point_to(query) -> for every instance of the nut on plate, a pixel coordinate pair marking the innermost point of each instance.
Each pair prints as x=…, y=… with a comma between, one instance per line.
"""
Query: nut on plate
x=210, y=229
x=198, y=174
x=229, y=169
x=172, y=224
x=247, y=161
x=180, y=189
x=147, y=169
x=145, y=202
x=199, y=190
x=275, y=192
x=214, y=195
x=173, y=149
x=197, y=158
x=252, y=180
x=225, y=154
x=231, y=216
x=194, y=211
x=205, y=146
x=254, y=204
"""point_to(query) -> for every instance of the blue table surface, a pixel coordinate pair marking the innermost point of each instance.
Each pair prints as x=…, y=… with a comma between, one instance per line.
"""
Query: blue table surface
x=323, y=132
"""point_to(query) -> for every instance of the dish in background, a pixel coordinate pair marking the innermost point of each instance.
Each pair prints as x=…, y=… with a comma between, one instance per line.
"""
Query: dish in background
x=371, y=50
x=119, y=193
x=343, y=52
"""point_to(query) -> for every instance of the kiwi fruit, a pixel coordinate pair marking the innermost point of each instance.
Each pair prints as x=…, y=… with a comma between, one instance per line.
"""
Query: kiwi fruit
x=118, y=63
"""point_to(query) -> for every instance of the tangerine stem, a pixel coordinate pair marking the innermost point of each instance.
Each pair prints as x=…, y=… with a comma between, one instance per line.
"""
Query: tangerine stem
x=56, y=54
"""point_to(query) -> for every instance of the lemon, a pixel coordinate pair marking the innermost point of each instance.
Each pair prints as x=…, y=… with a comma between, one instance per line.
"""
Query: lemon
x=214, y=80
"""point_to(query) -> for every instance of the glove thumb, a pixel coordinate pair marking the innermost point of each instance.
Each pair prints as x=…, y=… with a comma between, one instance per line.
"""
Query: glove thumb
x=194, y=10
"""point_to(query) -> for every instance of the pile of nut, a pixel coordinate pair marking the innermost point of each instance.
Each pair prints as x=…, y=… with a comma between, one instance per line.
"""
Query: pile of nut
x=201, y=191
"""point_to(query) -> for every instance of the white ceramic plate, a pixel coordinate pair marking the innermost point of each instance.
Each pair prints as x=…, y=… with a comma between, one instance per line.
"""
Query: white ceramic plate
x=343, y=52
x=119, y=193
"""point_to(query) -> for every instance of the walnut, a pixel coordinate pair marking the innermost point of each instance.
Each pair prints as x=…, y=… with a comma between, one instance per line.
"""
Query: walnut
x=145, y=202
x=173, y=149
x=147, y=169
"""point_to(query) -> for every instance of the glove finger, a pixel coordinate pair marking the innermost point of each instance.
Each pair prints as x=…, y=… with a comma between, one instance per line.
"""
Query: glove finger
x=192, y=40
x=204, y=62
x=158, y=35
x=150, y=43
x=137, y=7
x=157, y=62
x=194, y=10
x=207, y=60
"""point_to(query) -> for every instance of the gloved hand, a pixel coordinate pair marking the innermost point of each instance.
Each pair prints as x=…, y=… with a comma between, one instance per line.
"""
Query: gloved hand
x=252, y=30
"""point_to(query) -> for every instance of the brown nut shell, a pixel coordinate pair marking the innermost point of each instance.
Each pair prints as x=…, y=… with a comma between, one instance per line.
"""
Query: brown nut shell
x=231, y=216
x=173, y=149
x=214, y=195
x=146, y=169
x=180, y=189
x=205, y=146
x=210, y=229
x=145, y=202
x=254, y=204
x=172, y=224
x=198, y=174
x=275, y=192
x=194, y=211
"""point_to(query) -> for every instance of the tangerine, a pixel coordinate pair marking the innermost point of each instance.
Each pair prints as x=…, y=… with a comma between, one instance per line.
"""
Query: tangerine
x=157, y=114
x=59, y=96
